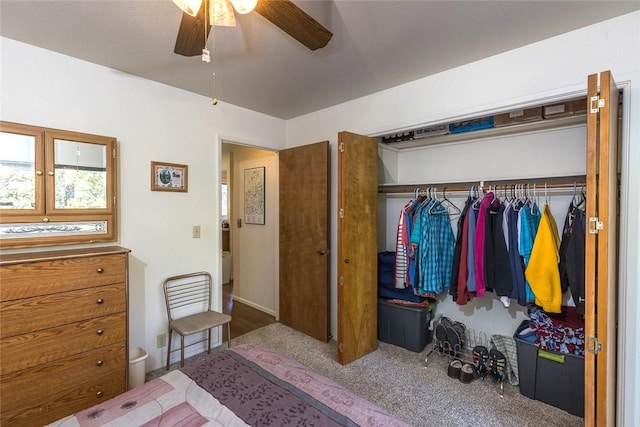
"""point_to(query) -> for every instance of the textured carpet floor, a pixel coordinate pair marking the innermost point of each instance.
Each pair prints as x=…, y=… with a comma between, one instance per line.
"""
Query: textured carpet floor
x=398, y=381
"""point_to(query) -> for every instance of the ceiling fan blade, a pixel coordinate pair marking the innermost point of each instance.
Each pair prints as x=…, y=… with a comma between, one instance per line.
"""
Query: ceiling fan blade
x=191, y=34
x=295, y=22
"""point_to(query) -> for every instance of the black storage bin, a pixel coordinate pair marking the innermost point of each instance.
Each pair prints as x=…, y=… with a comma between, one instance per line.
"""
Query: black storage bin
x=404, y=326
x=551, y=377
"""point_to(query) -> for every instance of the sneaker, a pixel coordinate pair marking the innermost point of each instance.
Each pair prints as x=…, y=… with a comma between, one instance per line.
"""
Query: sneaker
x=442, y=336
x=442, y=344
x=497, y=365
x=461, y=329
x=480, y=359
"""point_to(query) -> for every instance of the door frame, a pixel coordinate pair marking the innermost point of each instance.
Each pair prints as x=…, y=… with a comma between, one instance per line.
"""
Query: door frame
x=218, y=278
x=624, y=303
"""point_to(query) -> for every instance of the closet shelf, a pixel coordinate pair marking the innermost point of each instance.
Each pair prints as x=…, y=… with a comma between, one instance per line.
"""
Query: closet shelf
x=561, y=182
x=540, y=125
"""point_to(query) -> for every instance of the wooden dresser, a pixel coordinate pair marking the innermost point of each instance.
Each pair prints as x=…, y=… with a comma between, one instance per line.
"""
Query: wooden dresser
x=63, y=332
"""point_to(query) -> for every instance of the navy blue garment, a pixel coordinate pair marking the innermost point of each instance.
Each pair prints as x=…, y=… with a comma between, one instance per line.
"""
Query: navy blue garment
x=515, y=260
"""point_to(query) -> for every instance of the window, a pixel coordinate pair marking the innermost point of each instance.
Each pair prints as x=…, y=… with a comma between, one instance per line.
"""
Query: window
x=57, y=187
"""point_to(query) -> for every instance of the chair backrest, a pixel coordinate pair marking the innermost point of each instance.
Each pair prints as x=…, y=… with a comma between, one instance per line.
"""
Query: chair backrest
x=187, y=294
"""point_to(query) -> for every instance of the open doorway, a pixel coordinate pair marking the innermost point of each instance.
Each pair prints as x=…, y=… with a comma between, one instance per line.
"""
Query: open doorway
x=249, y=248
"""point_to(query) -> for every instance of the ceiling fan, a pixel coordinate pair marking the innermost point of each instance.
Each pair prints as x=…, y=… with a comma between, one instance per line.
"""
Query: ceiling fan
x=194, y=27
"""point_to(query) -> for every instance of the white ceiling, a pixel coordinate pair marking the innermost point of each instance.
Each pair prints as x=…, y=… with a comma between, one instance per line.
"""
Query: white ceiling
x=376, y=44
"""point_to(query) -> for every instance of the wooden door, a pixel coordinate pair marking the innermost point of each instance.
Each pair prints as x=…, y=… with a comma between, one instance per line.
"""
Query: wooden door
x=304, y=239
x=601, y=248
x=357, y=246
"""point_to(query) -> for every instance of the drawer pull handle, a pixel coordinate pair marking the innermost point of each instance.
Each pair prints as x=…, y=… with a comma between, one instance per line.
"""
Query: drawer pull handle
x=99, y=394
x=100, y=363
x=99, y=332
x=99, y=301
x=100, y=270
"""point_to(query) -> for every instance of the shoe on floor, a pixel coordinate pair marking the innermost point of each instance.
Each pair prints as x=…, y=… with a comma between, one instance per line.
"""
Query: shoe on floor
x=468, y=373
x=480, y=359
x=497, y=364
x=442, y=342
x=454, y=369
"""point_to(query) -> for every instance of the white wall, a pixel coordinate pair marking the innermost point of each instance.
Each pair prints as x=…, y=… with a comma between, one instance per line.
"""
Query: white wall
x=151, y=122
x=545, y=69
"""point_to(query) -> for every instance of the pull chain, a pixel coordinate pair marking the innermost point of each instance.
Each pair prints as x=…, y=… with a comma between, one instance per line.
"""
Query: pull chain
x=214, y=100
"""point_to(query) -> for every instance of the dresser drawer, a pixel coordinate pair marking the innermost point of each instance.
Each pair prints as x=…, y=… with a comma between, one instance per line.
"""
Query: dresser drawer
x=30, y=387
x=36, y=313
x=48, y=345
x=91, y=392
x=60, y=275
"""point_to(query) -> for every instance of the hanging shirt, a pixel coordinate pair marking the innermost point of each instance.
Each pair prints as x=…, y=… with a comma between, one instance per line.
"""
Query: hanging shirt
x=471, y=249
x=479, y=244
x=410, y=219
x=402, y=250
x=462, y=295
x=542, y=270
x=529, y=218
x=496, y=258
x=572, y=253
x=457, y=263
x=516, y=262
x=436, y=247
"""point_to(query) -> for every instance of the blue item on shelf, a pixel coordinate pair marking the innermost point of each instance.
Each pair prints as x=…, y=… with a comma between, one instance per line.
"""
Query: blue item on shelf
x=472, y=124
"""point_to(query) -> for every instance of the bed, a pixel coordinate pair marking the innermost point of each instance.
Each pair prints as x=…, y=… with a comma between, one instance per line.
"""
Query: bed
x=244, y=385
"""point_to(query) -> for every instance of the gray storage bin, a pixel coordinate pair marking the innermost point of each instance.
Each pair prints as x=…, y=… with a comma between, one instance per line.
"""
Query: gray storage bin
x=550, y=377
x=404, y=326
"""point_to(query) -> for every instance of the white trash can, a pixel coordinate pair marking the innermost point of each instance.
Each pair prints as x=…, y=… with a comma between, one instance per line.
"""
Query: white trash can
x=137, y=366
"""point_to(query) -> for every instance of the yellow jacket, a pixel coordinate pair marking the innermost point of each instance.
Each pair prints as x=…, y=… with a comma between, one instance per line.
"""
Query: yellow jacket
x=542, y=272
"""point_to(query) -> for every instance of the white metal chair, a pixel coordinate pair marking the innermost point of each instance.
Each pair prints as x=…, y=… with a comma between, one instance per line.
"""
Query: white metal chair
x=188, y=300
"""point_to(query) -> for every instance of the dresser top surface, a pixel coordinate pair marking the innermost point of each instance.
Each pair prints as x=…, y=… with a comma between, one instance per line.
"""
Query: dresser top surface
x=8, y=259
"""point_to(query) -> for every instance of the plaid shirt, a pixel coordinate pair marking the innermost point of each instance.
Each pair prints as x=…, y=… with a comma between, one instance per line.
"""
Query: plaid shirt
x=436, y=248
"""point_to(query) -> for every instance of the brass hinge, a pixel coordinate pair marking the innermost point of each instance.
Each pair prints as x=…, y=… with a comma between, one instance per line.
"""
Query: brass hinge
x=596, y=103
x=341, y=147
x=340, y=348
x=597, y=346
x=341, y=280
x=341, y=213
x=595, y=225
x=114, y=153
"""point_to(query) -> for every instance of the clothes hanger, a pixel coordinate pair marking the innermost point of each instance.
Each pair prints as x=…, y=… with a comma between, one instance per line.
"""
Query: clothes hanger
x=546, y=196
x=456, y=210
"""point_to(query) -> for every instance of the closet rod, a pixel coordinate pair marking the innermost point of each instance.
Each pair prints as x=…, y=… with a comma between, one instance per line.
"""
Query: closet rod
x=551, y=182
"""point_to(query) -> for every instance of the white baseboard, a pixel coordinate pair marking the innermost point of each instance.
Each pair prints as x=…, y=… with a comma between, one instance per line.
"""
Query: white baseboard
x=254, y=305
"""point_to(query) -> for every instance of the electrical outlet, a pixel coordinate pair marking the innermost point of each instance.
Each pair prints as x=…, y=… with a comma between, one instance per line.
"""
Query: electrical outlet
x=161, y=340
x=196, y=231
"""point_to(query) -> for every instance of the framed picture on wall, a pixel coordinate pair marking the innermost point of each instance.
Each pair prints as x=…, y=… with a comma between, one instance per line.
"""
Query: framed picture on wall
x=254, y=196
x=169, y=177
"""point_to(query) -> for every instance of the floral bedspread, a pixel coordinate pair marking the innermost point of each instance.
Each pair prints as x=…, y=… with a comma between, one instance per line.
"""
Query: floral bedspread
x=245, y=385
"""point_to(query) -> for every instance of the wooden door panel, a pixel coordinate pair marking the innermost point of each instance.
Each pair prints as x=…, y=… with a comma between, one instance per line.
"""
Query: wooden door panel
x=304, y=239
x=357, y=246
x=601, y=245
